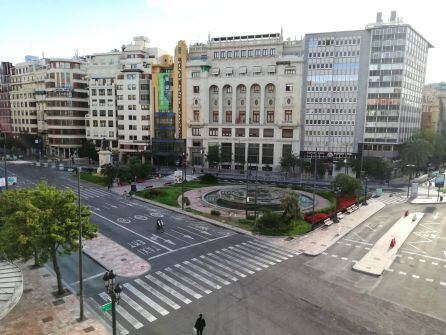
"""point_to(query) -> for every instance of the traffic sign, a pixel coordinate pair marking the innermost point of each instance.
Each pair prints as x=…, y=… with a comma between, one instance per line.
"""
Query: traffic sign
x=107, y=307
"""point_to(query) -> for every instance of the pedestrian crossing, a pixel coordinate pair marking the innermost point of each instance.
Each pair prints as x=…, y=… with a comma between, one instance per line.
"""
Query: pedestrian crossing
x=155, y=295
x=393, y=198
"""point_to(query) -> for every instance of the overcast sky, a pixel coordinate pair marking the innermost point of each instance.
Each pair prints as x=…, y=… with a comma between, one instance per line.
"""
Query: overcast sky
x=60, y=27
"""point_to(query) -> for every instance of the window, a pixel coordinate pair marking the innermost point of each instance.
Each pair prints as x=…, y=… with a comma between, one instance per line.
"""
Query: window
x=110, y=123
x=268, y=132
x=216, y=54
x=131, y=87
x=290, y=70
x=270, y=116
x=229, y=116
x=258, y=52
x=267, y=153
x=272, y=52
x=196, y=115
x=196, y=131
x=229, y=54
x=226, y=132
x=265, y=52
x=144, y=97
x=144, y=87
x=131, y=76
x=223, y=54
x=131, y=97
x=95, y=112
x=288, y=116
x=213, y=131
x=250, y=53
x=195, y=74
x=101, y=113
x=253, y=153
x=102, y=92
x=256, y=89
x=253, y=132
x=236, y=53
x=93, y=91
x=240, y=132
x=255, y=116
x=132, y=126
x=196, y=89
x=241, y=117
x=228, y=89
x=132, y=117
x=287, y=133
x=243, y=53
x=95, y=123
x=288, y=87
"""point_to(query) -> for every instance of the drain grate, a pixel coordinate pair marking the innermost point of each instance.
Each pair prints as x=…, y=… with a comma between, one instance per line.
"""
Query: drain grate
x=47, y=319
x=88, y=329
x=123, y=259
x=27, y=290
x=58, y=302
x=46, y=275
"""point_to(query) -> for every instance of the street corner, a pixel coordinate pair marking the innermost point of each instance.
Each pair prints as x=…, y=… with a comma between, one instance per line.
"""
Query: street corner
x=112, y=255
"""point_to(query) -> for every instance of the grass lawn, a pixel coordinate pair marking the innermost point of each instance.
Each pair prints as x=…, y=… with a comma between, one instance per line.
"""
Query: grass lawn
x=301, y=227
x=169, y=195
x=96, y=179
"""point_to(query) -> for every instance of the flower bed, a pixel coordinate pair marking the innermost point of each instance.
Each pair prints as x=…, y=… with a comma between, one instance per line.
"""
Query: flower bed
x=318, y=217
x=343, y=204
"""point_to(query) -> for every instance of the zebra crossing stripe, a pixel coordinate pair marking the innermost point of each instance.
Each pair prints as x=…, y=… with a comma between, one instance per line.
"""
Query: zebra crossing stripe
x=136, y=306
x=248, y=257
x=188, y=280
x=266, y=252
x=120, y=328
x=146, y=299
x=158, y=294
x=213, y=268
x=126, y=315
x=197, y=276
x=258, y=253
x=238, y=273
x=270, y=247
x=179, y=285
x=252, y=255
x=225, y=254
x=168, y=289
x=207, y=273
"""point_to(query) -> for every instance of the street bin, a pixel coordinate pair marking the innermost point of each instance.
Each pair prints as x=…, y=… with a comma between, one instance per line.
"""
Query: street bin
x=441, y=198
x=133, y=188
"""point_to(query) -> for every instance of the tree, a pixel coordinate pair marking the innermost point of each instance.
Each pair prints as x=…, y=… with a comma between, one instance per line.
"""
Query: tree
x=213, y=156
x=376, y=167
x=348, y=185
x=418, y=152
x=110, y=172
x=291, y=207
x=88, y=150
x=137, y=169
x=45, y=225
x=289, y=162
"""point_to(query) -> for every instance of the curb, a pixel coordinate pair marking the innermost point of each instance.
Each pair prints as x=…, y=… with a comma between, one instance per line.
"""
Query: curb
x=195, y=216
x=18, y=291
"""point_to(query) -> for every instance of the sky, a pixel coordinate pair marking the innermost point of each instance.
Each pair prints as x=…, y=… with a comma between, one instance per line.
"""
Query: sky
x=57, y=28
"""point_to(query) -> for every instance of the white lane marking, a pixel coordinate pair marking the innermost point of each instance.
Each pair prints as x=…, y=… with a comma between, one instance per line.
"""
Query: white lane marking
x=238, y=273
x=357, y=246
x=248, y=254
x=366, y=248
x=158, y=294
x=434, y=263
x=236, y=260
x=123, y=220
x=110, y=205
x=190, y=246
x=120, y=328
x=245, y=259
x=422, y=260
x=126, y=315
x=266, y=252
x=137, y=307
x=443, y=283
x=348, y=244
x=215, y=269
x=344, y=258
x=168, y=289
x=334, y=256
x=134, y=232
x=190, y=232
x=182, y=234
x=188, y=280
x=197, y=276
x=390, y=270
x=207, y=273
x=354, y=241
x=324, y=253
x=425, y=256
x=179, y=285
x=409, y=257
x=415, y=276
x=399, y=256
x=256, y=252
x=271, y=249
x=354, y=261
x=202, y=231
x=429, y=280
x=146, y=299
x=402, y=273
x=88, y=278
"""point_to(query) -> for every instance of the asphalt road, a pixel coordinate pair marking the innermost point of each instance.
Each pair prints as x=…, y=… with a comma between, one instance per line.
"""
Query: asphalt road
x=244, y=286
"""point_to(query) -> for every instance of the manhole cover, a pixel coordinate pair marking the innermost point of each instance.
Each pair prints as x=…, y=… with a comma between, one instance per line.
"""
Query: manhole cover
x=47, y=319
x=123, y=259
x=88, y=329
x=58, y=302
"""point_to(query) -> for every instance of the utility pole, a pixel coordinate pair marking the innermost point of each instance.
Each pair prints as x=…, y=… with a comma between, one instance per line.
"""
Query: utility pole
x=81, y=280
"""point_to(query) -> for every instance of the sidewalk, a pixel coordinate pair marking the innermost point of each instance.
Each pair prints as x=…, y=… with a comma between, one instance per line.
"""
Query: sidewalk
x=319, y=240
x=40, y=313
x=430, y=200
x=381, y=256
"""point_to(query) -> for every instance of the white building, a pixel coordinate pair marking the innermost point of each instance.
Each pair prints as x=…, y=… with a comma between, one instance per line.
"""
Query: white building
x=244, y=95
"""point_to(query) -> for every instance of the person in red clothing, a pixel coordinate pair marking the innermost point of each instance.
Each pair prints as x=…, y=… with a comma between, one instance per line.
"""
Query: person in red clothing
x=200, y=324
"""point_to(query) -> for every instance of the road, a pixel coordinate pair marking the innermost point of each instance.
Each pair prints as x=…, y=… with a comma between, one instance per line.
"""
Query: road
x=245, y=286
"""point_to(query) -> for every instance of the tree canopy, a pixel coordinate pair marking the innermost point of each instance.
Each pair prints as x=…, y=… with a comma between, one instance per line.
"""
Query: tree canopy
x=347, y=185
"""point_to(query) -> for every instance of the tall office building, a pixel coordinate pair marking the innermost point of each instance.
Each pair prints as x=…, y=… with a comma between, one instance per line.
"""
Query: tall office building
x=5, y=104
x=49, y=100
x=244, y=96
x=363, y=89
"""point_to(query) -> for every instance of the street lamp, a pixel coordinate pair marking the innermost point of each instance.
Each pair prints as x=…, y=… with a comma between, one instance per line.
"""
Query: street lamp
x=183, y=174
x=335, y=217
x=81, y=280
x=314, y=188
x=366, y=179
x=114, y=291
x=410, y=166
x=4, y=157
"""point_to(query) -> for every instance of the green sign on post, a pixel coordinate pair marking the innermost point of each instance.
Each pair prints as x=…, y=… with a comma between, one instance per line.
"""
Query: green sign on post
x=107, y=307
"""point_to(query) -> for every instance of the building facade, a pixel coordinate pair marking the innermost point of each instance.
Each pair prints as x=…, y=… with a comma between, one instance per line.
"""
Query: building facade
x=5, y=104
x=363, y=89
x=434, y=108
x=49, y=100
x=244, y=96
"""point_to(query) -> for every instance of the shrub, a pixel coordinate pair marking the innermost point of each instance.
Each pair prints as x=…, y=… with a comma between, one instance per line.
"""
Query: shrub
x=186, y=201
x=270, y=219
x=152, y=193
x=248, y=222
x=215, y=212
x=301, y=227
x=208, y=178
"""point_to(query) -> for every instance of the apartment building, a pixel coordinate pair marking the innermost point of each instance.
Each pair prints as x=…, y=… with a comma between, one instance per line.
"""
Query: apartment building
x=363, y=89
x=244, y=96
x=434, y=108
x=5, y=104
x=49, y=100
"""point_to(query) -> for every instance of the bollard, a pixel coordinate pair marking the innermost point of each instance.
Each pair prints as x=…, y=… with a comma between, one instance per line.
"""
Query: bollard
x=392, y=242
x=406, y=213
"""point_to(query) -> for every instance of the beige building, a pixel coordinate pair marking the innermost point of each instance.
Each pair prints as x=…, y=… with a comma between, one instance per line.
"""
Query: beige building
x=434, y=108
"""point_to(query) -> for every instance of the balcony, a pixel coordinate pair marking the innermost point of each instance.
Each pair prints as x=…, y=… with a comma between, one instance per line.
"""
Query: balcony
x=195, y=123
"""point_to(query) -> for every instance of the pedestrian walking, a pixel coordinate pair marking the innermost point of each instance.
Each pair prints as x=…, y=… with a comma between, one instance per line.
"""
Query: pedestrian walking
x=200, y=324
x=109, y=186
x=193, y=170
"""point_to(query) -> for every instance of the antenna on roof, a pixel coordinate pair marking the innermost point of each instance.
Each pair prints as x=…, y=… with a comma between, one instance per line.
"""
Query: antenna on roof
x=209, y=36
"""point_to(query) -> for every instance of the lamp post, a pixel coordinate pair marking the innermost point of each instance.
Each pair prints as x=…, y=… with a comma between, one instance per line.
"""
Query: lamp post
x=114, y=291
x=366, y=179
x=335, y=217
x=255, y=195
x=410, y=166
x=81, y=280
x=247, y=176
x=4, y=157
x=183, y=174
x=314, y=188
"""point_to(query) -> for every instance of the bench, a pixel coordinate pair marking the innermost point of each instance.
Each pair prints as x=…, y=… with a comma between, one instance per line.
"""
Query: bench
x=351, y=209
x=328, y=222
x=340, y=215
x=148, y=186
x=167, y=183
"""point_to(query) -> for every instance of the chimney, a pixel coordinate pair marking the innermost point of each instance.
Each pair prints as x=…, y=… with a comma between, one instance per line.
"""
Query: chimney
x=379, y=17
x=393, y=16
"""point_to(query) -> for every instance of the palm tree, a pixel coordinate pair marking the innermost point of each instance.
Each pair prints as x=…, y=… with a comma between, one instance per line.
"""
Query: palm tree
x=291, y=207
